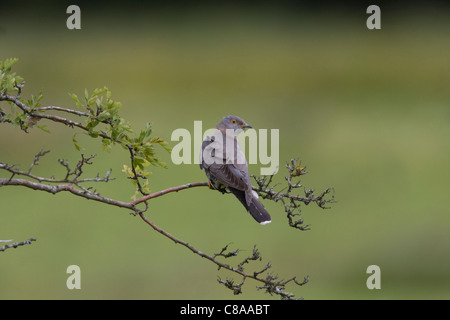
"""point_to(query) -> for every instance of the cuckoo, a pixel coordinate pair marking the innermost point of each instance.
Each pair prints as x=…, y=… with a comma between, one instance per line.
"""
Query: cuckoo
x=226, y=167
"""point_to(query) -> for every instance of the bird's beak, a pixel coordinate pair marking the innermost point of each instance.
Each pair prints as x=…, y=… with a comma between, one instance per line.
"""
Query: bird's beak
x=246, y=125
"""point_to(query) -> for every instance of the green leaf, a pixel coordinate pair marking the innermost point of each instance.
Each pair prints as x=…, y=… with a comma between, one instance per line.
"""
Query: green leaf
x=92, y=124
x=114, y=134
x=19, y=79
x=75, y=143
x=75, y=98
x=43, y=128
x=9, y=63
x=103, y=116
x=141, y=137
x=148, y=130
x=94, y=134
x=166, y=146
x=139, y=162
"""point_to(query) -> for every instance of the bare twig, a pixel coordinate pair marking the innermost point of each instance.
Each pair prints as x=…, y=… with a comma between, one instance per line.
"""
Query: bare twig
x=67, y=110
x=36, y=159
x=292, y=202
x=16, y=244
x=65, y=187
x=225, y=254
x=75, y=172
x=169, y=190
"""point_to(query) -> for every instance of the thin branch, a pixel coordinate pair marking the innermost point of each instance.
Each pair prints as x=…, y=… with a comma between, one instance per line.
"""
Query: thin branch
x=225, y=254
x=136, y=176
x=65, y=187
x=169, y=190
x=76, y=172
x=36, y=114
x=15, y=244
x=67, y=110
x=36, y=159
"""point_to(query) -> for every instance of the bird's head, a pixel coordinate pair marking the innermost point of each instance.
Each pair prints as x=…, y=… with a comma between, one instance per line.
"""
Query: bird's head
x=233, y=123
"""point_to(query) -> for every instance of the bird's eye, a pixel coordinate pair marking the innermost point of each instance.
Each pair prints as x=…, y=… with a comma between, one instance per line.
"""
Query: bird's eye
x=233, y=121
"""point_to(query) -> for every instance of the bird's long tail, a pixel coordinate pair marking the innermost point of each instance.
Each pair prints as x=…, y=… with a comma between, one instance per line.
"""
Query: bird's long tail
x=256, y=208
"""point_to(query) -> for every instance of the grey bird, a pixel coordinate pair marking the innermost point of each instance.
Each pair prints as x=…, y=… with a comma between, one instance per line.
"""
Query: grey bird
x=226, y=167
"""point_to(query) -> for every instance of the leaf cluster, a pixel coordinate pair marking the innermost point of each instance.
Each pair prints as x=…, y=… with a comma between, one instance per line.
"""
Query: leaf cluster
x=100, y=119
x=12, y=84
x=8, y=79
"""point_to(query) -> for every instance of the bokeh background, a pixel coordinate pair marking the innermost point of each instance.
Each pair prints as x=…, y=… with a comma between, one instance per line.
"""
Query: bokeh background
x=367, y=111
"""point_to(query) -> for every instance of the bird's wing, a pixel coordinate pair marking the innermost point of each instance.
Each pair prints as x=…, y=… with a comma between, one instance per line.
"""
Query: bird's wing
x=205, y=144
x=229, y=175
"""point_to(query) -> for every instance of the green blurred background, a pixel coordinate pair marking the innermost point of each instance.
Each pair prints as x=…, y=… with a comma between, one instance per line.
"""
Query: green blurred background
x=366, y=111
